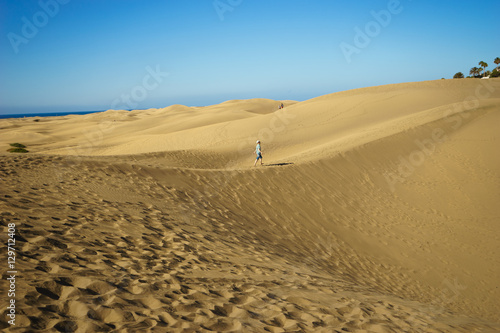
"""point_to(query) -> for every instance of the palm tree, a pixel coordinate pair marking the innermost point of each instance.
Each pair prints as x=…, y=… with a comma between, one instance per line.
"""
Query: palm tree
x=474, y=71
x=483, y=65
x=497, y=61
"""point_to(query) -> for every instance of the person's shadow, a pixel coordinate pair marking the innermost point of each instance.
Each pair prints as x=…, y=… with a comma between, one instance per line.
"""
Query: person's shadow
x=279, y=164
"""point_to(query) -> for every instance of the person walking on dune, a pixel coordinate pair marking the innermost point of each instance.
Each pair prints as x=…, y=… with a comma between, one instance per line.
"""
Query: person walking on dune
x=258, y=151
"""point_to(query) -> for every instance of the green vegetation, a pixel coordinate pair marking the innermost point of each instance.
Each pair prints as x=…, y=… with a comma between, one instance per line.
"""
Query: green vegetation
x=474, y=71
x=480, y=72
x=483, y=65
x=17, y=148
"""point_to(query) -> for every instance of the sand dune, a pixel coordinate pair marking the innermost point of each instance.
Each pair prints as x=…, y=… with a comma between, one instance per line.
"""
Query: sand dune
x=377, y=211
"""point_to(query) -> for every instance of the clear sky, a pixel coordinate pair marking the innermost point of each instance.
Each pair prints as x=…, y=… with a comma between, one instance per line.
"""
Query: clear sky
x=71, y=55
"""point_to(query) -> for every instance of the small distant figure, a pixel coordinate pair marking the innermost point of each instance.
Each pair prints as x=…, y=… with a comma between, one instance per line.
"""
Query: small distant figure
x=258, y=151
x=281, y=106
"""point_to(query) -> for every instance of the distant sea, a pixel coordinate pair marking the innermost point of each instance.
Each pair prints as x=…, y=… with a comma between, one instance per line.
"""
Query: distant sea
x=49, y=114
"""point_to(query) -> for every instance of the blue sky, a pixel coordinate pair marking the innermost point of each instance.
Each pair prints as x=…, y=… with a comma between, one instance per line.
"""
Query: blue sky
x=71, y=55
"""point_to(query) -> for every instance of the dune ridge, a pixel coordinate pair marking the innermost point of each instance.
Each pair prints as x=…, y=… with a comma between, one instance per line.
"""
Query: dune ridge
x=377, y=212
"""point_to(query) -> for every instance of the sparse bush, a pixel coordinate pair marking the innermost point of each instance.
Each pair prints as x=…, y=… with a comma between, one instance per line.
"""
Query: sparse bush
x=17, y=150
x=458, y=75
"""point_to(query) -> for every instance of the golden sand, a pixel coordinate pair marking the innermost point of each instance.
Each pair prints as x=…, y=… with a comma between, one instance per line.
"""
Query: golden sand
x=377, y=210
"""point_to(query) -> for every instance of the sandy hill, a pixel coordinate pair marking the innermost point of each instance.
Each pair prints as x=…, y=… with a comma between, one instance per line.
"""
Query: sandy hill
x=376, y=211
